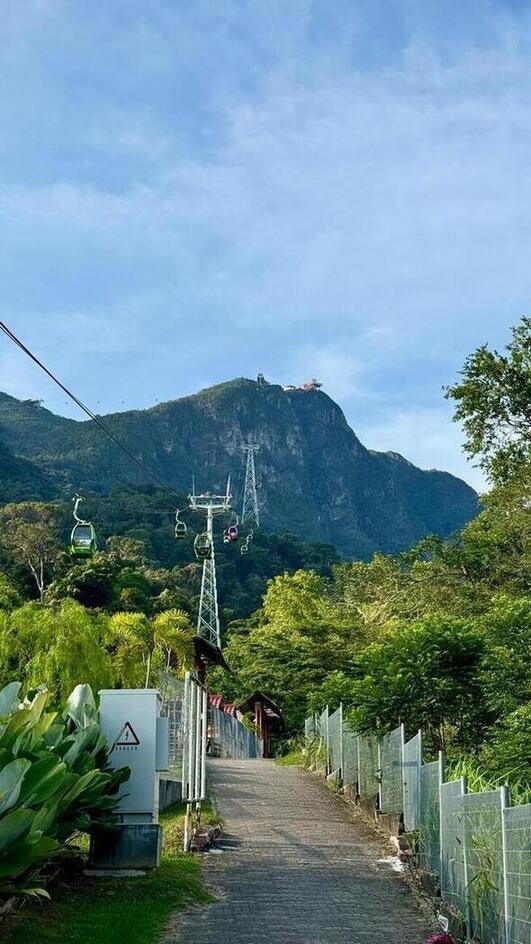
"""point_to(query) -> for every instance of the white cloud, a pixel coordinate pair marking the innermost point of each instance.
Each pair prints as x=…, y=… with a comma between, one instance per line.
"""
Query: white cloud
x=317, y=203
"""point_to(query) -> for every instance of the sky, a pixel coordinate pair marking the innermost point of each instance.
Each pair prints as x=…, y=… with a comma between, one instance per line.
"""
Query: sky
x=191, y=192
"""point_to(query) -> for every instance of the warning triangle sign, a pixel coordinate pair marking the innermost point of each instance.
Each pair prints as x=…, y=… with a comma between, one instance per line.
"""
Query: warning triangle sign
x=126, y=737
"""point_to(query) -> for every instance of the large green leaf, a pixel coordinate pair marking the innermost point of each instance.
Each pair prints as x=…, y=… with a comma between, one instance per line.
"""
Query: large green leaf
x=81, y=706
x=25, y=854
x=14, y=826
x=9, y=698
x=81, y=743
x=9, y=738
x=46, y=778
x=11, y=778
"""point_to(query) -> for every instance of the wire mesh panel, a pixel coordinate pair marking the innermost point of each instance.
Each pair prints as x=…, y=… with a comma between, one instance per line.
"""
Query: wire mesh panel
x=310, y=729
x=172, y=691
x=453, y=865
x=412, y=759
x=350, y=757
x=482, y=823
x=335, y=740
x=230, y=738
x=321, y=760
x=517, y=855
x=392, y=783
x=429, y=827
x=368, y=779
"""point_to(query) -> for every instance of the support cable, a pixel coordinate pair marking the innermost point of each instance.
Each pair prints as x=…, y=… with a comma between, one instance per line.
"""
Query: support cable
x=93, y=416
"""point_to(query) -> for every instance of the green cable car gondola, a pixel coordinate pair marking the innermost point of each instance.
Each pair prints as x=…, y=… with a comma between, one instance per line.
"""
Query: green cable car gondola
x=83, y=538
x=203, y=547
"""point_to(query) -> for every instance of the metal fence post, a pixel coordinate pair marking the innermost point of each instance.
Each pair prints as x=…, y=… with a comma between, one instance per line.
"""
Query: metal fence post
x=441, y=781
x=380, y=772
x=464, y=791
x=341, y=753
x=402, y=771
x=505, y=801
x=327, y=742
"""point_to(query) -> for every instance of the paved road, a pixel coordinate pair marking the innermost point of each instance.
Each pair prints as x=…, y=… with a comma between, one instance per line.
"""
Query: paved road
x=296, y=868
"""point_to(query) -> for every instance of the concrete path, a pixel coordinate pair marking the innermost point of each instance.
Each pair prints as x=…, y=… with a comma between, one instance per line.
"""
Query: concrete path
x=296, y=868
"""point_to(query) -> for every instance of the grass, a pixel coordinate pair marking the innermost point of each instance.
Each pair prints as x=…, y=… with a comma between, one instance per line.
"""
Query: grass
x=107, y=910
x=295, y=758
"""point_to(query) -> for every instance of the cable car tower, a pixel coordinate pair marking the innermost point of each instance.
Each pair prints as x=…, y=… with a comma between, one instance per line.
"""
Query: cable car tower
x=250, y=513
x=208, y=616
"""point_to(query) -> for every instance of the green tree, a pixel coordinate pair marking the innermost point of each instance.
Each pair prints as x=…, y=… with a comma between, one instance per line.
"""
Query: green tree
x=56, y=647
x=426, y=673
x=142, y=644
x=291, y=646
x=9, y=596
x=30, y=531
x=506, y=664
x=493, y=398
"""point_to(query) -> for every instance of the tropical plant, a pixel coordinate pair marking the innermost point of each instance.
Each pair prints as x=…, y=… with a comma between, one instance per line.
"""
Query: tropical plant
x=140, y=642
x=54, y=781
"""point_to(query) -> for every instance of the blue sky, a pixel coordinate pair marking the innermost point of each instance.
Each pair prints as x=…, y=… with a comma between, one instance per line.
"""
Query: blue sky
x=335, y=188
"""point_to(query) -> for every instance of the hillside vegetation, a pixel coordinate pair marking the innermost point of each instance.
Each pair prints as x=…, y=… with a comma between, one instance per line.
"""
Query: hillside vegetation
x=316, y=479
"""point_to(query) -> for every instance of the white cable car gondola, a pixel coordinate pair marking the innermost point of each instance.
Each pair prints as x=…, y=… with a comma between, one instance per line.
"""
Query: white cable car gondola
x=83, y=538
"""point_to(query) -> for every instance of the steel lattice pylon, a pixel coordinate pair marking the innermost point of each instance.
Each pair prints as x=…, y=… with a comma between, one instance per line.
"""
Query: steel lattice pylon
x=250, y=512
x=208, y=616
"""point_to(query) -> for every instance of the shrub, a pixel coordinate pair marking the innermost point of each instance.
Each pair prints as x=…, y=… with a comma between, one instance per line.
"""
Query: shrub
x=55, y=781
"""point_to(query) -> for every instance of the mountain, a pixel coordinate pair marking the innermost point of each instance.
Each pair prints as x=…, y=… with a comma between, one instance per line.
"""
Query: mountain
x=316, y=478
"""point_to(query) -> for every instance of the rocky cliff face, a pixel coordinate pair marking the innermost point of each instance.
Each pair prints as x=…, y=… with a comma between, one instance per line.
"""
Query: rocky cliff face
x=315, y=476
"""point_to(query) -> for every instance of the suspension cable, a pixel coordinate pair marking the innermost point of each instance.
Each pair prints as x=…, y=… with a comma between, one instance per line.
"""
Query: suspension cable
x=93, y=416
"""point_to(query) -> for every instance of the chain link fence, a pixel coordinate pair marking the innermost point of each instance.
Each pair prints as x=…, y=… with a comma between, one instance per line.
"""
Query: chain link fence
x=368, y=767
x=476, y=843
x=391, y=771
x=429, y=815
x=350, y=758
x=232, y=739
x=335, y=742
x=516, y=823
x=412, y=760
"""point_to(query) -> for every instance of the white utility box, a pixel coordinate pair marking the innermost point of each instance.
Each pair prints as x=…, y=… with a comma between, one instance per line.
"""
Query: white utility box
x=137, y=737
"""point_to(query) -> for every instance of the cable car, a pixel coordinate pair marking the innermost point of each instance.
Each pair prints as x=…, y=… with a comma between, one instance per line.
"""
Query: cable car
x=83, y=538
x=180, y=528
x=203, y=547
x=232, y=532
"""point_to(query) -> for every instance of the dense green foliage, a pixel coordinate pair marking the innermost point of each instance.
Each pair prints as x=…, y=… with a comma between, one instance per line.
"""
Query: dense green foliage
x=437, y=637
x=133, y=909
x=493, y=399
x=54, y=781
x=59, y=645
x=144, y=568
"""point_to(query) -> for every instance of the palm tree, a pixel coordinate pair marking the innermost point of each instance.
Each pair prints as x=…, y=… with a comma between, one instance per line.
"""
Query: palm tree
x=138, y=637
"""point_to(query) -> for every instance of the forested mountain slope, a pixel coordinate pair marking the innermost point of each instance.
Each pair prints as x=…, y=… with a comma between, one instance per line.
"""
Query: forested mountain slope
x=316, y=478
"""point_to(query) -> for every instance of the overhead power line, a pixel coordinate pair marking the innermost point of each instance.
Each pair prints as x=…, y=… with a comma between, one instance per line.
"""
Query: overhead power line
x=82, y=406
